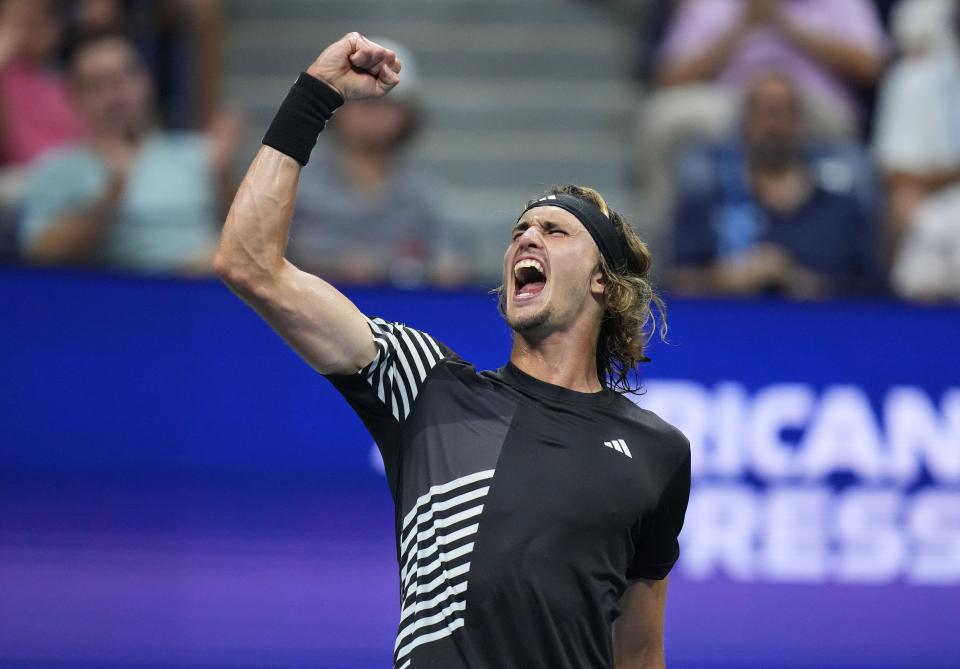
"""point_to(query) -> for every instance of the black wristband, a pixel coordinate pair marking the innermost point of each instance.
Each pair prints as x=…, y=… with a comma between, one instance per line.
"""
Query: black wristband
x=306, y=109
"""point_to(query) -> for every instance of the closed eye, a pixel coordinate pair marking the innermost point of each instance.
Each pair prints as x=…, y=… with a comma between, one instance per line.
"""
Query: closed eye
x=548, y=227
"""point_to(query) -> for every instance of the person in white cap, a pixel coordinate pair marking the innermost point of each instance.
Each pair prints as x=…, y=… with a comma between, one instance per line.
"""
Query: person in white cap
x=364, y=178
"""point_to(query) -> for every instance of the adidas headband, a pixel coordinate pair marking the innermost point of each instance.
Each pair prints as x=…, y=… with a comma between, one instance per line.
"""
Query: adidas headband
x=601, y=228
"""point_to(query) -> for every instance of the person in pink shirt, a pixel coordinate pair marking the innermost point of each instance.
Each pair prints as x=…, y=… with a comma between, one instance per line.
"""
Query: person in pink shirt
x=714, y=50
x=36, y=113
x=830, y=49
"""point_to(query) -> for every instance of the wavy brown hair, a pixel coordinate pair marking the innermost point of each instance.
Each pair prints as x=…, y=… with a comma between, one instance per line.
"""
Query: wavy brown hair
x=633, y=306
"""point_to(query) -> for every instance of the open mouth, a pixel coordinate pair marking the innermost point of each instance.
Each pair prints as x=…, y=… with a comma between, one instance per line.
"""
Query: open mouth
x=529, y=278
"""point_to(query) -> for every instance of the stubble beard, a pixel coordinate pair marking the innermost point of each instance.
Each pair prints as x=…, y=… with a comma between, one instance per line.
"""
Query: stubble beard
x=530, y=323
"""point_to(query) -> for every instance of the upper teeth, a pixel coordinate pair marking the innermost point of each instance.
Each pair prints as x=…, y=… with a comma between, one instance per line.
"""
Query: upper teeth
x=527, y=262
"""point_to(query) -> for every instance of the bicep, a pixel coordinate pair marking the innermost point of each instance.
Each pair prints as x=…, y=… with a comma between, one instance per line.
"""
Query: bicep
x=638, y=632
x=324, y=327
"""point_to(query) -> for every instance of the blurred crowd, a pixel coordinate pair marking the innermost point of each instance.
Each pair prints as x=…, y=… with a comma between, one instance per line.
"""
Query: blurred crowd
x=801, y=148
x=813, y=147
x=116, y=153
x=113, y=153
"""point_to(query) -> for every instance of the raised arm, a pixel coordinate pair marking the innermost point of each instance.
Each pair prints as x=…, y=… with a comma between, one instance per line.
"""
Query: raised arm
x=322, y=325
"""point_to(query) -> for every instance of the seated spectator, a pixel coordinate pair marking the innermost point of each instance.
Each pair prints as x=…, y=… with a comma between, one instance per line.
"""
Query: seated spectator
x=715, y=48
x=365, y=183
x=182, y=44
x=36, y=113
x=129, y=196
x=767, y=217
x=917, y=145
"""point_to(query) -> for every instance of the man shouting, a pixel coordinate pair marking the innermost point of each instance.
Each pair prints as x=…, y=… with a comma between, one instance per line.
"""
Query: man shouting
x=537, y=508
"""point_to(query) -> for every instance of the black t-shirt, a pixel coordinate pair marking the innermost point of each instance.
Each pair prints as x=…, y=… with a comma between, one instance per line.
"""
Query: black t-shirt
x=523, y=509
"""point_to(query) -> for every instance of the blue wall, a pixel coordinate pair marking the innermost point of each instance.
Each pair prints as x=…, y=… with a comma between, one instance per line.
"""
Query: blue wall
x=107, y=373
x=163, y=452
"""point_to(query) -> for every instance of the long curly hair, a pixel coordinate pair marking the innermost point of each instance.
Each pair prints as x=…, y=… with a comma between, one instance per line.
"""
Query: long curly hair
x=634, y=312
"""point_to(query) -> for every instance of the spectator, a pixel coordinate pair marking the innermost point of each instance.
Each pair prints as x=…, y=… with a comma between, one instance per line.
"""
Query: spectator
x=830, y=49
x=130, y=196
x=768, y=218
x=365, y=183
x=182, y=44
x=715, y=48
x=917, y=145
x=36, y=113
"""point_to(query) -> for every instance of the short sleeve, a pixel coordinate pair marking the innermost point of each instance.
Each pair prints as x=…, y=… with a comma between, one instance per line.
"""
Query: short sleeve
x=656, y=537
x=384, y=393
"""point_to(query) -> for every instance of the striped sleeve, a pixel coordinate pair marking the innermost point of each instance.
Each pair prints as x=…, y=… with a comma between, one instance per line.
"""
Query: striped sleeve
x=405, y=356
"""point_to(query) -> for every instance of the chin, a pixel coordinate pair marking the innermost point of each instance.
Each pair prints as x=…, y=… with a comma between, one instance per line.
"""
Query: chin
x=528, y=320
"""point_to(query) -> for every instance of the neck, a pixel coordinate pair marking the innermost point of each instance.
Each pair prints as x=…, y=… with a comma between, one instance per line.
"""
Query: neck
x=367, y=171
x=566, y=359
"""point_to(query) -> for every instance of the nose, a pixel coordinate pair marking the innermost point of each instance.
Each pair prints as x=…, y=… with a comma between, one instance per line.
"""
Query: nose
x=531, y=237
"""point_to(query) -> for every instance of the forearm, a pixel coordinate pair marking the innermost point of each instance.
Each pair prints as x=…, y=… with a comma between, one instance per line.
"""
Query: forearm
x=925, y=181
x=76, y=236
x=254, y=236
x=850, y=62
x=906, y=191
x=704, y=65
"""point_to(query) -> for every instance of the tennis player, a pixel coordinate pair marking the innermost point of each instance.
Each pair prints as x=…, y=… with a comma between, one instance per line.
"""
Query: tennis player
x=537, y=508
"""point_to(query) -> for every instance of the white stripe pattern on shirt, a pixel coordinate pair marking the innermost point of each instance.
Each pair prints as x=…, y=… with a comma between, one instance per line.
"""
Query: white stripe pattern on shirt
x=404, y=358
x=436, y=541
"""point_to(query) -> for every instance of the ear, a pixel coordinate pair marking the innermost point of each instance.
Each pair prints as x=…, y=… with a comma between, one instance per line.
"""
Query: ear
x=598, y=284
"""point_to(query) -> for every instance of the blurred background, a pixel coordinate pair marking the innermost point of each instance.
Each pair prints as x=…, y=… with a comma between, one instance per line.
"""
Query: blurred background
x=178, y=490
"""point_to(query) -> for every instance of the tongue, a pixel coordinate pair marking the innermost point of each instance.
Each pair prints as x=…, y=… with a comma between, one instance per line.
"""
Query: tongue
x=532, y=288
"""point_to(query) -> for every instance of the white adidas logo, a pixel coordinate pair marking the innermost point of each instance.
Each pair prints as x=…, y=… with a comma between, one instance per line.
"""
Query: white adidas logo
x=619, y=445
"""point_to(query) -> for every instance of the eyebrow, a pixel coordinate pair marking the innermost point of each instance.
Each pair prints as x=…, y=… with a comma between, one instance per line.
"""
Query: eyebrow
x=523, y=225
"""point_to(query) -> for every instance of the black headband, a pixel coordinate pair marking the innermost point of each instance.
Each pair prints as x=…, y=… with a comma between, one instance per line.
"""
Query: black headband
x=600, y=227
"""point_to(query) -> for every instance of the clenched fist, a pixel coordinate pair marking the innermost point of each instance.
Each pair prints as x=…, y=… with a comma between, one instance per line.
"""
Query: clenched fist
x=357, y=68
